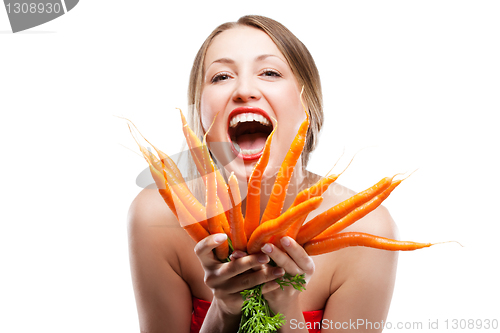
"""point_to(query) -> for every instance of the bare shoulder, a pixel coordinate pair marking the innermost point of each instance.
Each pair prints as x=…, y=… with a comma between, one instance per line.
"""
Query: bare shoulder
x=152, y=225
x=163, y=297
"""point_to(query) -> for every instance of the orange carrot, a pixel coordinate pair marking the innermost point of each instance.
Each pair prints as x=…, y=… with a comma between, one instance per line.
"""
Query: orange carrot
x=216, y=207
x=276, y=239
x=278, y=193
x=321, y=185
x=316, y=190
x=198, y=152
x=159, y=179
x=214, y=217
x=322, y=221
x=345, y=239
x=195, y=146
x=166, y=161
x=187, y=221
x=217, y=222
x=194, y=228
x=178, y=186
x=358, y=213
x=252, y=213
x=196, y=231
x=163, y=189
x=185, y=195
x=266, y=231
x=162, y=177
x=236, y=220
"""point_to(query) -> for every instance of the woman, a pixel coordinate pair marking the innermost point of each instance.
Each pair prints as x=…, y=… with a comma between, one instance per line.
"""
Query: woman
x=257, y=68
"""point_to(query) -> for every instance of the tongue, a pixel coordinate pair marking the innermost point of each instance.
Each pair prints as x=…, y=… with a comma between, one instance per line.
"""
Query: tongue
x=251, y=141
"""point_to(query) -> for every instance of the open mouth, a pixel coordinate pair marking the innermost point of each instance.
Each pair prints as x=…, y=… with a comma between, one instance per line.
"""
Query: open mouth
x=248, y=129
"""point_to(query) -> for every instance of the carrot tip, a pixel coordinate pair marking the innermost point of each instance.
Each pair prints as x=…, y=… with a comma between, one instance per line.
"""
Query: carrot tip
x=449, y=242
x=275, y=122
x=303, y=104
x=212, y=124
x=130, y=149
x=402, y=173
x=343, y=152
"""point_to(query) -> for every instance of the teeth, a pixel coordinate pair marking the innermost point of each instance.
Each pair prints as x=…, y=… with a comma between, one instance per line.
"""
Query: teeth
x=245, y=117
x=246, y=151
x=250, y=151
x=236, y=146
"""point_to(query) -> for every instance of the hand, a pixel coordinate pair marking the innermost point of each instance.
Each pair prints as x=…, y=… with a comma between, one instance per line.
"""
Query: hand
x=228, y=279
x=294, y=261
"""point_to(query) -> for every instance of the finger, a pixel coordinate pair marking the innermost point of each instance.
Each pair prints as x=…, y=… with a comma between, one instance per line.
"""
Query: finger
x=203, y=249
x=298, y=254
x=219, y=275
x=250, y=280
x=281, y=259
x=258, y=268
x=270, y=286
x=237, y=255
x=241, y=265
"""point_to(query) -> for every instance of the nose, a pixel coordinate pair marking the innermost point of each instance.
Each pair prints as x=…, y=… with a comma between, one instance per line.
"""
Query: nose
x=246, y=90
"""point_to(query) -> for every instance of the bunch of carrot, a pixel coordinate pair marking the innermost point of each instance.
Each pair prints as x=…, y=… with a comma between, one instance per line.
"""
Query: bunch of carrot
x=222, y=213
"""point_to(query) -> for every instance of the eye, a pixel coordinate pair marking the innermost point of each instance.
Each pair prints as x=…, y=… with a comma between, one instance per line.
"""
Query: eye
x=270, y=73
x=223, y=76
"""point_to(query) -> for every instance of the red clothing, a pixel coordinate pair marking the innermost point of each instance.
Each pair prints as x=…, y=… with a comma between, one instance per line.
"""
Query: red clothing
x=200, y=309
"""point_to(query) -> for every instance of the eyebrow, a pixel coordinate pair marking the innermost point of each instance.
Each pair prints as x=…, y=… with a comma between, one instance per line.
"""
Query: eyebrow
x=223, y=61
x=264, y=56
x=231, y=61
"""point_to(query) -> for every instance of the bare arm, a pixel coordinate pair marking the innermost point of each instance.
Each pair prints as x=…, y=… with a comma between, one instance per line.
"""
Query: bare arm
x=163, y=298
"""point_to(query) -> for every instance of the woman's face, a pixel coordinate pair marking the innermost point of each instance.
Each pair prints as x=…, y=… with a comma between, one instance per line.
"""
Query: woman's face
x=247, y=83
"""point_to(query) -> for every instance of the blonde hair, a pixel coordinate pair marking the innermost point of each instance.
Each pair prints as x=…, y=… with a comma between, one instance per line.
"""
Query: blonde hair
x=299, y=59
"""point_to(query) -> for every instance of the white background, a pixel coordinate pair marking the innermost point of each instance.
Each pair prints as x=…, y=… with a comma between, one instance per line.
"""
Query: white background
x=419, y=80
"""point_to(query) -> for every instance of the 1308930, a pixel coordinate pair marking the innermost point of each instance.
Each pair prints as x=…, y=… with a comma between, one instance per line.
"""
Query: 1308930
x=471, y=324
x=33, y=8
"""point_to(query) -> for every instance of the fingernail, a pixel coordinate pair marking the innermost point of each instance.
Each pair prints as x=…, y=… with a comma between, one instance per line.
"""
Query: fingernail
x=285, y=241
x=219, y=238
x=237, y=254
x=263, y=258
x=267, y=248
x=279, y=271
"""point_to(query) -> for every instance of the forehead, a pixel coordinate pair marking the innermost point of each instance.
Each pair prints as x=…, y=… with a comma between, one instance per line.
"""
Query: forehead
x=241, y=43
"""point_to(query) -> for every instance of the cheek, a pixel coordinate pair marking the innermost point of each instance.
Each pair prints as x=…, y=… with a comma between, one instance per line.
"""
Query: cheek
x=289, y=110
x=209, y=107
x=207, y=110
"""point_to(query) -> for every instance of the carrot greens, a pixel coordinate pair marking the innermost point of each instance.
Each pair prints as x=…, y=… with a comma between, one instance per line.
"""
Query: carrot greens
x=257, y=316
